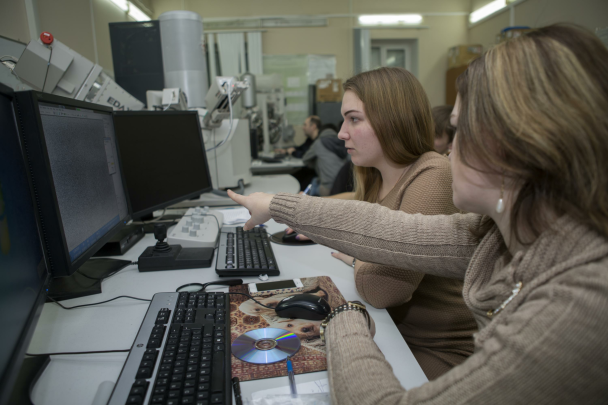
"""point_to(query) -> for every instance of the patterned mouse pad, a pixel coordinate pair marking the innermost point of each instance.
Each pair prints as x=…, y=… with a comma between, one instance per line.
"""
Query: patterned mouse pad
x=245, y=315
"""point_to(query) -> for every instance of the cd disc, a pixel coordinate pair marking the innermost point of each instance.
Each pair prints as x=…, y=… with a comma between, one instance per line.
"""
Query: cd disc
x=265, y=346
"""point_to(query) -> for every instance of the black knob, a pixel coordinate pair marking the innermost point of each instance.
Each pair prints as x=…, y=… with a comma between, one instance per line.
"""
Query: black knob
x=160, y=232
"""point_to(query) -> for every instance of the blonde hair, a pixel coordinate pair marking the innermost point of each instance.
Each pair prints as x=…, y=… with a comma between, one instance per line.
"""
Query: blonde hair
x=399, y=112
x=535, y=109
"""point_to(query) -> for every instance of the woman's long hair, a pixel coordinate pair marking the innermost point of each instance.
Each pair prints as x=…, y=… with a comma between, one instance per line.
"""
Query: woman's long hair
x=535, y=110
x=399, y=112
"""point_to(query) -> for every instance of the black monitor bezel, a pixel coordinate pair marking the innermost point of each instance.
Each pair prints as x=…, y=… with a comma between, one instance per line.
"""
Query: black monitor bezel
x=15, y=361
x=150, y=210
x=53, y=232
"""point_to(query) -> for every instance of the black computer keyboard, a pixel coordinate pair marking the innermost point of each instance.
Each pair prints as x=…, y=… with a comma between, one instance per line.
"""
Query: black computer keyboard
x=181, y=354
x=245, y=253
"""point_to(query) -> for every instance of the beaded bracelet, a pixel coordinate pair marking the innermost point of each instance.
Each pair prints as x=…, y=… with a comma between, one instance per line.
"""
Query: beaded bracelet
x=350, y=306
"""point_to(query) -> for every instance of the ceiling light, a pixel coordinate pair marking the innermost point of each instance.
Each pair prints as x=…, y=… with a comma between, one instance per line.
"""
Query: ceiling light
x=390, y=19
x=487, y=10
x=136, y=13
x=122, y=4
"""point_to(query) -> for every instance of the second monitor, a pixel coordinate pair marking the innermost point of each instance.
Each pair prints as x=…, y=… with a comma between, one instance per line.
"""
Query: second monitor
x=163, y=157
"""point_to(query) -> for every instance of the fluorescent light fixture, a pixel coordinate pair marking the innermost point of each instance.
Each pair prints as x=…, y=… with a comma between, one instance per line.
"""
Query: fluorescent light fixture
x=486, y=10
x=122, y=4
x=390, y=19
x=136, y=13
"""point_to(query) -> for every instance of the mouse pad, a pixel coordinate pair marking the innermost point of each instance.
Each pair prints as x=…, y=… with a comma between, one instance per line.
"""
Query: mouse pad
x=245, y=315
x=278, y=239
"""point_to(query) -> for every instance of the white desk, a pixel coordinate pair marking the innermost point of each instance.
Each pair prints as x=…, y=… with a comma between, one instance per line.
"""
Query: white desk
x=278, y=183
x=75, y=379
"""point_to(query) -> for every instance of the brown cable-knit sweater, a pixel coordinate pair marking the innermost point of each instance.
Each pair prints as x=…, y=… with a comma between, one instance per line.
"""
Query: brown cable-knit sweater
x=428, y=310
x=547, y=346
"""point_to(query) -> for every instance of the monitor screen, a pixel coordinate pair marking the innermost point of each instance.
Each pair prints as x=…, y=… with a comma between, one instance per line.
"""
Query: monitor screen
x=23, y=270
x=163, y=157
x=82, y=154
x=76, y=175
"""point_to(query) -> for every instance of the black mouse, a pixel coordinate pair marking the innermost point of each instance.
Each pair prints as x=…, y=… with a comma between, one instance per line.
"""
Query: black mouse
x=303, y=306
x=290, y=237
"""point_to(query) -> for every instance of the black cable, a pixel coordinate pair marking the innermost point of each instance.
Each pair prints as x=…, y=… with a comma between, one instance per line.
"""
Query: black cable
x=97, y=303
x=250, y=297
x=65, y=353
x=48, y=65
x=107, y=276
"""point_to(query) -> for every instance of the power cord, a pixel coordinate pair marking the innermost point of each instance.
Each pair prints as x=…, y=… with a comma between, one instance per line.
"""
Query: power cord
x=97, y=303
x=48, y=65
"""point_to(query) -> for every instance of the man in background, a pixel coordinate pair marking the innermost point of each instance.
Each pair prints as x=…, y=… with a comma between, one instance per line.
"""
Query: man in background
x=311, y=127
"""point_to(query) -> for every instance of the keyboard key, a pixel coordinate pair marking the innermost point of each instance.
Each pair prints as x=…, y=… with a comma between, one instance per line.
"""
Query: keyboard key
x=217, y=380
x=140, y=383
x=217, y=398
x=158, y=399
x=134, y=399
x=187, y=400
x=144, y=372
x=203, y=387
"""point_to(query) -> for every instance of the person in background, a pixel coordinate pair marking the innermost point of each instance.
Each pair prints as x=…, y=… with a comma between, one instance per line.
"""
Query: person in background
x=388, y=131
x=311, y=128
x=444, y=132
x=530, y=165
x=326, y=155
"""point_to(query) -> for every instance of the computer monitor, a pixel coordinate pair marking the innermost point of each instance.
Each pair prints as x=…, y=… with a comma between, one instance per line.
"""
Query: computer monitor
x=23, y=269
x=74, y=167
x=163, y=158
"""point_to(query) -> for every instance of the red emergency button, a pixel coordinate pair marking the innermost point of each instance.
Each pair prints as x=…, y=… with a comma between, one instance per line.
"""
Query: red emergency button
x=46, y=38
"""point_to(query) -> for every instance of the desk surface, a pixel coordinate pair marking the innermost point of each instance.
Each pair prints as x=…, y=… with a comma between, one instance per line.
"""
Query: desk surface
x=113, y=326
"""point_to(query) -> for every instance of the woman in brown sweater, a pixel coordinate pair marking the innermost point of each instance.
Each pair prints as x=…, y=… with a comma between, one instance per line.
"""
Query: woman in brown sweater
x=388, y=131
x=530, y=158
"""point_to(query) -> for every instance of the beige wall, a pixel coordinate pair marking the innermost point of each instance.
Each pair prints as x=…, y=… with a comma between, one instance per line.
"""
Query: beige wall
x=537, y=13
x=13, y=21
x=433, y=44
x=337, y=37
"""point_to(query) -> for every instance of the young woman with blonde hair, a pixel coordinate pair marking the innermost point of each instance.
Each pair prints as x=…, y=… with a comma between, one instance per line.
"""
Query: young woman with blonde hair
x=388, y=131
x=530, y=164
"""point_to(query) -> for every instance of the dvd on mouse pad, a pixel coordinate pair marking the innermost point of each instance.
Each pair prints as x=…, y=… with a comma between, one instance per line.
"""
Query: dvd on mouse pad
x=247, y=316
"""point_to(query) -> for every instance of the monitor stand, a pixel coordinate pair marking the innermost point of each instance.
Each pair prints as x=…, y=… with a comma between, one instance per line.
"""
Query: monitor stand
x=31, y=370
x=86, y=280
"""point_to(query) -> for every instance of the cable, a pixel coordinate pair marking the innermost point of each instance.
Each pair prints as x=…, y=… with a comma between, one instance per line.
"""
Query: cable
x=48, y=65
x=97, y=303
x=234, y=293
x=108, y=276
x=66, y=353
x=251, y=298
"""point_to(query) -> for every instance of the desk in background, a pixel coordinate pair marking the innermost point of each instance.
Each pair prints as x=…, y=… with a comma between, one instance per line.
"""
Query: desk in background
x=74, y=380
x=289, y=165
x=272, y=184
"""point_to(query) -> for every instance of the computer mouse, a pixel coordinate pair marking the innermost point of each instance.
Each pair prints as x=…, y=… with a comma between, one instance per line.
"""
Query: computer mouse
x=303, y=306
x=290, y=237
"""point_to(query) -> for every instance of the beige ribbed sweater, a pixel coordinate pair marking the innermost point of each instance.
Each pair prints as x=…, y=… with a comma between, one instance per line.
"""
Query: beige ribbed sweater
x=549, y=345
x=428, y=310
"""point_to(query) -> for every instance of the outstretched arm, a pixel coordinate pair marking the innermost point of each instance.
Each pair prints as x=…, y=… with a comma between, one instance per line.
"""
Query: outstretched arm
x=440, y=245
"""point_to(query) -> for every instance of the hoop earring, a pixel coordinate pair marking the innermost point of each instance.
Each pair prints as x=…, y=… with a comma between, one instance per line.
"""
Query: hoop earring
x=500, y=206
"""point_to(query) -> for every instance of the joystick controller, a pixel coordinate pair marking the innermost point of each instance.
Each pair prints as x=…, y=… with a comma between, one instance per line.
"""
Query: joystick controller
x=163, y=256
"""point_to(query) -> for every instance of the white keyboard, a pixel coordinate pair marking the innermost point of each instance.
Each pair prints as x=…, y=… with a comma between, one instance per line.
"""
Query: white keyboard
x=197, y=228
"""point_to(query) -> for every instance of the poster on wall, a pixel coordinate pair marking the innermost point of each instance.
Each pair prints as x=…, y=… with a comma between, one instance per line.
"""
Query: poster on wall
x=298, y=72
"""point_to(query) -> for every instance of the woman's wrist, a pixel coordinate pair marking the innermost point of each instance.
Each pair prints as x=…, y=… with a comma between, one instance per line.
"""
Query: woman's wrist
x=351, y=306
